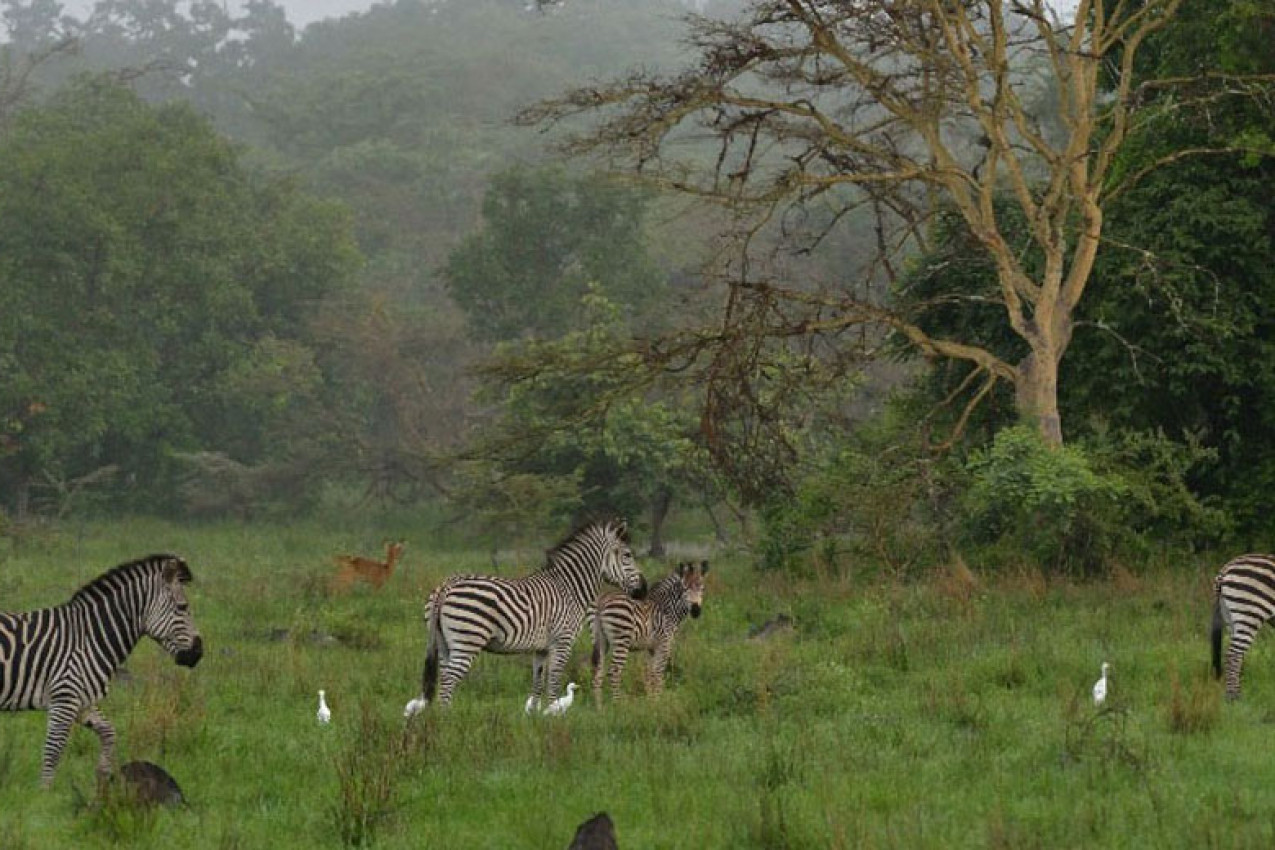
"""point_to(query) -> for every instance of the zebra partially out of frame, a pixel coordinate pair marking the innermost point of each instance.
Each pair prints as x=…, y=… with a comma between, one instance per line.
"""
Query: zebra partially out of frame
x=621, y=625
x=540, y=613
x=1244, y=599
x=61, y=659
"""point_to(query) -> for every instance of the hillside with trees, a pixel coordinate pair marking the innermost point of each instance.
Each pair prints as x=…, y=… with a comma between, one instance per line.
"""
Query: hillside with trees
x=813, y=264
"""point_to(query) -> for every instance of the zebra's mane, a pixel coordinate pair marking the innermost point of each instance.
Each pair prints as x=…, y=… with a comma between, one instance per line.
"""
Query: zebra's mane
x=126, y=571
x=616, y=524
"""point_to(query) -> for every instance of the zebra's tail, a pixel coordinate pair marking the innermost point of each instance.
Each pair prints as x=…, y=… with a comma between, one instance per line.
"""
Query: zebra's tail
x=434, y=640
x=1216, y=633
x=598, y=637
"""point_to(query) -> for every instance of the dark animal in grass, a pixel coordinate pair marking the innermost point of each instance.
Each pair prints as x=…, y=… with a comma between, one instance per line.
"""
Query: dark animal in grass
x=781, y=623
x=149, y=784
x=597, y=833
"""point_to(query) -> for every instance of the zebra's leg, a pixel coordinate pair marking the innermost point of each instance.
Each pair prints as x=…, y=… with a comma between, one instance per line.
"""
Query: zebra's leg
x=559, y=653
x=1241, y=639
x=62, y=717
x=619, y=656
x=452, y=671
x=97, y=721
x=538, y=661
x=660, y=655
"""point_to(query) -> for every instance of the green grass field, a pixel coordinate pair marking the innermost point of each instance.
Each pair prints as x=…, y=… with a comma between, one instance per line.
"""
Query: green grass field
x=935, y=714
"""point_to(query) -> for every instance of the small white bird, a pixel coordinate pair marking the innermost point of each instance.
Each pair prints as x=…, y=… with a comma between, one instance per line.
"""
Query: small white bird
x=324, y=713
x=562, y=703
x=533, y=702
x=415, y=706
x=1100, y=686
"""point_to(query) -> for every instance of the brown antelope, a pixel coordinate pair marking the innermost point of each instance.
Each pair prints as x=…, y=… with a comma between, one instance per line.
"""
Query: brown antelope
x=354, y=568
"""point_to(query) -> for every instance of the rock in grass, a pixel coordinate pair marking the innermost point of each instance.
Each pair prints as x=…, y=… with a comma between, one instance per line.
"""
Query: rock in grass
x=150, y=784
x=597, y=833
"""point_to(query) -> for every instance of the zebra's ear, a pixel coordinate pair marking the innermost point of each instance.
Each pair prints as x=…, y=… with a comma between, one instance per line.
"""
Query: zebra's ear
x=684, y=568
x=176, y=570
x=622, y=529
x=703, y=568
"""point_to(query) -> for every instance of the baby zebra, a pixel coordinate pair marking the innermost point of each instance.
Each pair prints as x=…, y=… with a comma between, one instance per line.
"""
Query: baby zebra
x=621, y=624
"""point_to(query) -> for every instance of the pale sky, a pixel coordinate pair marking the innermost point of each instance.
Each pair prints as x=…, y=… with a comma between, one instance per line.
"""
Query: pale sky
x=300, y=12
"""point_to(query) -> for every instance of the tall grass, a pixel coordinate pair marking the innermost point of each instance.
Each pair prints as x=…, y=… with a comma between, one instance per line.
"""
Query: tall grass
x=944, y=713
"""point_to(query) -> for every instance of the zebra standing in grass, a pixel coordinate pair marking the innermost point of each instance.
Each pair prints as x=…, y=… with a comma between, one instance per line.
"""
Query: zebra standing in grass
x=61, y=659
x=541, y=613
x=1244, y=599
x=620, y=625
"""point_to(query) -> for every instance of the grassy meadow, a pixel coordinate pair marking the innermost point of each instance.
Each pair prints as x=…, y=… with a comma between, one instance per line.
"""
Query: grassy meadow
x=945, y=713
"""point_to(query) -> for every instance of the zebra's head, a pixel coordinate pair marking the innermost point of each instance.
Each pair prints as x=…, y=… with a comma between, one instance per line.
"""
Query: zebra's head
x=693, y=585
x=618, y=564
x=167, y=617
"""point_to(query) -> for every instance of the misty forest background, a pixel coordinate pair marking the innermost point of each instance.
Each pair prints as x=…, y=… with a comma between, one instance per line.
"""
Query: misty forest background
x=259, y=273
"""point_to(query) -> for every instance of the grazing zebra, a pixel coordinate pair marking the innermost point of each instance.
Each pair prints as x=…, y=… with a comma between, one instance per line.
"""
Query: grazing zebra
x=541, y=613
x=61, y=659
x=620, y=624
x=1244, y=599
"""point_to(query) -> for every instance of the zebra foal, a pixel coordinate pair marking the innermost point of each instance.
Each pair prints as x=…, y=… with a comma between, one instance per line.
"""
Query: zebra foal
x=539, y=614
x=1243, y=600
x=621, y=625
x=61, y=659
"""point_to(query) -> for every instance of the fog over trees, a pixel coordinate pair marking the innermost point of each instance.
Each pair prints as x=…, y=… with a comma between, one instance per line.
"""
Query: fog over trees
x=255, y=257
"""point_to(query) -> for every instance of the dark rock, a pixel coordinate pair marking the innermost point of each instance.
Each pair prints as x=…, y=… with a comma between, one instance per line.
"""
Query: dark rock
x=150, y=784
x=597, y=833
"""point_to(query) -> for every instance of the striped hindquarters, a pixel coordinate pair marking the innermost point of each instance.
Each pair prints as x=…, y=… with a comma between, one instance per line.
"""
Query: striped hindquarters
x=33, y=645
x=1245, y=587
x=500, y=615
x=1245, y=600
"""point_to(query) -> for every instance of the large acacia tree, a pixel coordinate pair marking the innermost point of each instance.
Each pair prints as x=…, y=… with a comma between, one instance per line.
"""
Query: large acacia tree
x=897, y=109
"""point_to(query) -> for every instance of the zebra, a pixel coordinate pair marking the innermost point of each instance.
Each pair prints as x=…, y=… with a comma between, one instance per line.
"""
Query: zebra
x=61, y=659
x=620, y=624
x=540, y=613
x=1244, y=599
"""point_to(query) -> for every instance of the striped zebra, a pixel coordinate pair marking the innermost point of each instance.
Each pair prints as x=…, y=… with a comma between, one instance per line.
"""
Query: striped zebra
x=621, y=625
x=540, y=613
x=1244, y=599
x=61, y=659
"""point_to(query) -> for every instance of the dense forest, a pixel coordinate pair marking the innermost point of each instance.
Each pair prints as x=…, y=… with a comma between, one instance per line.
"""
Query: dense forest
x=418, y=255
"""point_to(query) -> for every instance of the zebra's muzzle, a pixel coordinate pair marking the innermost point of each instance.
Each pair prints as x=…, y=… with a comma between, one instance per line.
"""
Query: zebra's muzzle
x=190, y=657
x=695, y=611
x=639, y=592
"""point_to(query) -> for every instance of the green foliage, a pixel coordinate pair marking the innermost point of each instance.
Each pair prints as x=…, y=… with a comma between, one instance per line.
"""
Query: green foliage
x=574, y=409
x=547, y=239
x=867, y=503
x=144, y=274
x=1048, y=506
x=1082, y=507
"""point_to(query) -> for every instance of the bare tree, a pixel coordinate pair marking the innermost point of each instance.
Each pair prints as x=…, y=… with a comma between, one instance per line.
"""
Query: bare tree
x=895, y=107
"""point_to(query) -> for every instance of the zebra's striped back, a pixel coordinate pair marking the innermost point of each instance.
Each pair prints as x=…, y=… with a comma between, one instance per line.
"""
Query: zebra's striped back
x=62, y=658
x=1244, y=592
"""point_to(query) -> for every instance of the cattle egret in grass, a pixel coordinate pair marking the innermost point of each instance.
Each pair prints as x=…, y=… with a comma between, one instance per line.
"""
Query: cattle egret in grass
x=532, y=703
x=1100, y=686
x=415, y=707
x=561, y=704
x=324, y=713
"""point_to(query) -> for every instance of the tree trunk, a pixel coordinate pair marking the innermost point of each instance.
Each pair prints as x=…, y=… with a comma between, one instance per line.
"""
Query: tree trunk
x=659, y=512
x=1037, y=396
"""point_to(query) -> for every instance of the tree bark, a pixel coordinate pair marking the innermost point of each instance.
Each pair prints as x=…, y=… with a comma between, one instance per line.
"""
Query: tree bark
x=659, y=512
